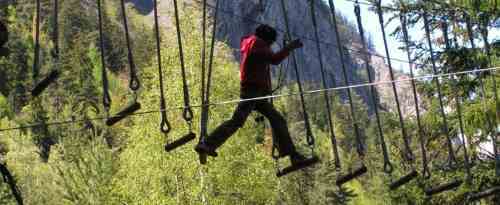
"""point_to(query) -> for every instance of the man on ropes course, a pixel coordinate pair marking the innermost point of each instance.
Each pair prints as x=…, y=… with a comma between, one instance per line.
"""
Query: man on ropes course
x=256, y=58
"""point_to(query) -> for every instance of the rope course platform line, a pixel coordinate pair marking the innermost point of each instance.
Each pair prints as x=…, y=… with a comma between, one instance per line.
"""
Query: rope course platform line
x=308, y=92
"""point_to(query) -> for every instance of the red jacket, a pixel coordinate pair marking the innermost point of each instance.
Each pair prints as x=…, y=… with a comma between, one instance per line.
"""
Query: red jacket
x=256, y=57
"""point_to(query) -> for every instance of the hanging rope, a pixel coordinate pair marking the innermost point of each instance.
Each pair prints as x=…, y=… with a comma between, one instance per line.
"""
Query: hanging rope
x=4, y=36
x=458, y=100
x=359, y=143
x=134, y=83
x=55, y=37
x=39, y=87
x=482, y=90
x=333, y=138
x=205, y=91
x=452, y=161
x=425, y=167
x=204, y=112
x=211, y=59
x=408, y=155
x=388, y=168
x=37, y=43
x=106, y=99
x=187, y=113
x=288, y=37
x=493, y=133
x=164, y=124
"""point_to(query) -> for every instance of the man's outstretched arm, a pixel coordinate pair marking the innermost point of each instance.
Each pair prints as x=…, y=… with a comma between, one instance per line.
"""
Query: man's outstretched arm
x=264, y=53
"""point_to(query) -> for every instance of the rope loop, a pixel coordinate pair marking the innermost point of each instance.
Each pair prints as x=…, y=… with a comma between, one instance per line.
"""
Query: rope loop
x=134, y=83
x=164, y=124
x=187, y=114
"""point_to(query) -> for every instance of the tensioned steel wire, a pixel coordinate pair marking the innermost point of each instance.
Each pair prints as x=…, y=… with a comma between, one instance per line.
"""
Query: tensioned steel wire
x=307, y=92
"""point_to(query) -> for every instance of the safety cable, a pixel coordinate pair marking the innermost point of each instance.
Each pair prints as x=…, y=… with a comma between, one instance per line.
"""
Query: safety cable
x=164, y=124
x=288, y=36
x=309, y=92
x=425, y=167
x=452, y=161
x=187, y=113
x=106, y=99
x=388, y=168
x=458, y=99
x=134, y=83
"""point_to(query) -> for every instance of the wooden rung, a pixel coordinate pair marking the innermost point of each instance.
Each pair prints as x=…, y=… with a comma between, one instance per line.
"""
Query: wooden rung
x=123, y=113
x=179, y=142
x=484, y=194
x=298, y=166
x=443, y=187
x=403, y=180
x=42, y=85
x=350, y=176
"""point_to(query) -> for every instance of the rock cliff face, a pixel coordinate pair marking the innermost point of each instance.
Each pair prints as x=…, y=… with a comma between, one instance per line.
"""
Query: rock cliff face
x=238, y=18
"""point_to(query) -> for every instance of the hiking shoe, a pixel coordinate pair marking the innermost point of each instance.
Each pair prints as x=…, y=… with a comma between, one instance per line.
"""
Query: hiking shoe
x=206, y=150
